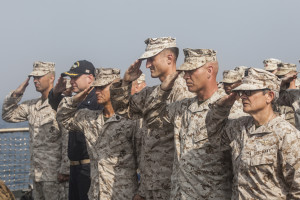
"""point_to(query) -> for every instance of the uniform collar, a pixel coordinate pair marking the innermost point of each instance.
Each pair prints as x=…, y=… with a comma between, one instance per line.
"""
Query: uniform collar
x=266, y=128
x=198, y=107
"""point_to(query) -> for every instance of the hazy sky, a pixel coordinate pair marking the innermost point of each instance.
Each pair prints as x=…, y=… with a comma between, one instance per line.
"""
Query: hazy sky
x=112, y=33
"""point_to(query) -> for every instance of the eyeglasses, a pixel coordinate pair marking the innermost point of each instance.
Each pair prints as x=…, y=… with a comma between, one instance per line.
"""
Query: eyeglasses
x=280, y=76
x=248, y=93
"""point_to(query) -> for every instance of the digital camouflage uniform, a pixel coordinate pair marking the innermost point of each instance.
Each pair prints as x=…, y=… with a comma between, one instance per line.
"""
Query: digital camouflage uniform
x=291, y=97
x=231, y=77
x=5, y=193
x=45, y=137
x=110, y=144
x=200, y=170
x=65, y=164
x=157, y=150
x=285, y=111
x=265, y=158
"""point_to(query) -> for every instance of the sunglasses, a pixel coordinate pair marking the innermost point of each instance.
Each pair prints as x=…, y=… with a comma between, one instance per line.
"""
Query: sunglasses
x=248, y=93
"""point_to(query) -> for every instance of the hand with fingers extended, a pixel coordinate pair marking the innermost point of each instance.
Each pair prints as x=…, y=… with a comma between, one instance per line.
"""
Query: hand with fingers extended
x=82, y=95
x=168, y=83
x=21, y=89
x=60, y=86
x=228, y=100
x=132, y=73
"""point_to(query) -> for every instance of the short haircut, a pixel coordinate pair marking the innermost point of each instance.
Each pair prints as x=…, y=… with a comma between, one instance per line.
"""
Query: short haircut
x=173, y=50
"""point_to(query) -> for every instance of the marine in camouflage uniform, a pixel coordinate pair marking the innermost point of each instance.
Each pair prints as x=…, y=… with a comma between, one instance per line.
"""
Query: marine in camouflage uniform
x=45, y=138
x=285, y=110
x=157, y=151
x=265, y=147
x=271, y=65
x=110, y=139
x=200, y=170
x=231, y=80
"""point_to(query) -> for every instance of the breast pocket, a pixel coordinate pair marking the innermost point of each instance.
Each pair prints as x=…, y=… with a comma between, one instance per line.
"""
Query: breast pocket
x=265, y=156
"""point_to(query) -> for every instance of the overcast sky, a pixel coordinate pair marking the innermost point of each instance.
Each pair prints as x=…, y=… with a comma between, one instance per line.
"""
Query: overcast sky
x=112, y=33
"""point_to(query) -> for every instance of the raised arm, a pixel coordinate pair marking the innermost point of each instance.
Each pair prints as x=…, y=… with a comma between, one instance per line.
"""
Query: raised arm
x=69, y=116
x=11, y=111
x=217, y=121
x=55, y=95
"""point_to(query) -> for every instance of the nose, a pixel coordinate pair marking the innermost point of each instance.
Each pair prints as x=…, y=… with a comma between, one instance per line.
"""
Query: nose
x=186, y=75
x=148, y=63
x=35, y=79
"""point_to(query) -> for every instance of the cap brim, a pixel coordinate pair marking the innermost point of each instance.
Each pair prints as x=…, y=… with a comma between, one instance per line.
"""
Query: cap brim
x=228, y=81
x=188, y=66
x=249, y=87
x=38, y=73
x=71, y=74
x=149, y=54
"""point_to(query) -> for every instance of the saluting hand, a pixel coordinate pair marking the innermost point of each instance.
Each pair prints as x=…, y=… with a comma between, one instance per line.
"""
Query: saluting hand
x=132, y=73
x=60, y=86
x=82, y=95
x=168, y=83
x=21, y=89
x=228, y=100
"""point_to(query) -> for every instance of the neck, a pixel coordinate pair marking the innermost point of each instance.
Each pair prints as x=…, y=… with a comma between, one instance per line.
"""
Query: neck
x=108, y=110
x=207, y=91
x=263, y=116
x=292, y=84
x=171, y=70
x=45, y=93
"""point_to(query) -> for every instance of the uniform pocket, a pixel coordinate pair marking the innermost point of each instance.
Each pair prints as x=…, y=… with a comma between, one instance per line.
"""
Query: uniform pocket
x=265, y=156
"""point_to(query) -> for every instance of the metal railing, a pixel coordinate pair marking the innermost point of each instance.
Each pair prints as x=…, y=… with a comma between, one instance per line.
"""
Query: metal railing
x=15, y=158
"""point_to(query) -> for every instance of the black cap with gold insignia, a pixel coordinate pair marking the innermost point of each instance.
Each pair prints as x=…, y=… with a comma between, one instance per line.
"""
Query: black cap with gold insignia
x=80, y=67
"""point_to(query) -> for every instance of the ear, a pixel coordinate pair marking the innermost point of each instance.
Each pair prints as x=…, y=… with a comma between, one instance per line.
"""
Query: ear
x=270, y=97
x=90, y=78
x=210, y=70
x=170, y=58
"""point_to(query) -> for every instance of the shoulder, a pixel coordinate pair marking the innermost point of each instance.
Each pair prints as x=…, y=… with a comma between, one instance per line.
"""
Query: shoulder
x=283, y=128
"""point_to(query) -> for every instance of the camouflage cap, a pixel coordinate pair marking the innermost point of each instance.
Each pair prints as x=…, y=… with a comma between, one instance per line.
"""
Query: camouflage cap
x=285, y=68
x=241, y=70
x=196, y=58
x=105, y=76
x=271, y=64
x=42, y=68
x=141, y=79
x=156, y=45
x=257, y=79
x=231, y=76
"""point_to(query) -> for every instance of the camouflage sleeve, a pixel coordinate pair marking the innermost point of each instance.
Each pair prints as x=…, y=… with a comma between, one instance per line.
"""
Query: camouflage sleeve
x=180, y=90
x=65, y=162
x=158, y=115
x=66, y=113
x=12, y=112
x=131, y=106
x=291, y=97
x=120, y=98
x=290, y=158
x=217, y=123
